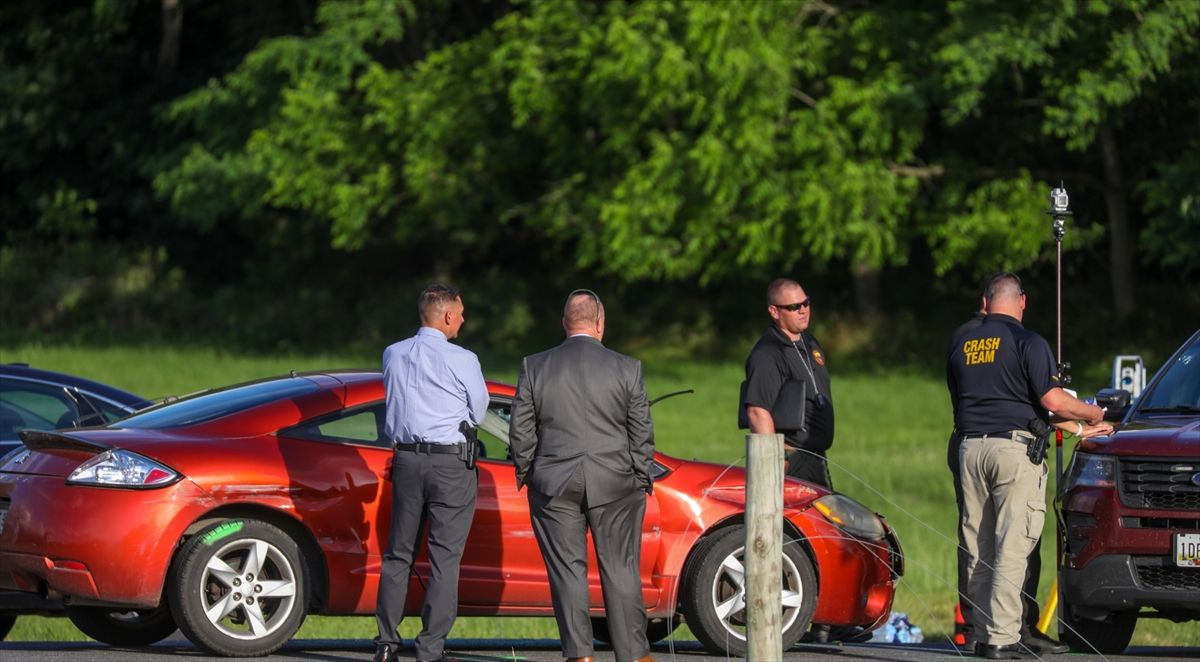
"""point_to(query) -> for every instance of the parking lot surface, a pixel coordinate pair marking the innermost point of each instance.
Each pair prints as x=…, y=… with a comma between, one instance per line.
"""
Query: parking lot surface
x=529, y=650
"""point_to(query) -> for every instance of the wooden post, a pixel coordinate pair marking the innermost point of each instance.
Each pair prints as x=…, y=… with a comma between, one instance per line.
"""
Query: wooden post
x=764, y=547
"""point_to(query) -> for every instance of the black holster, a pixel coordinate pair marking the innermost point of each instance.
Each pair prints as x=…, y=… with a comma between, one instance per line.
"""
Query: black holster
x=469, y=450
x=1037, y=447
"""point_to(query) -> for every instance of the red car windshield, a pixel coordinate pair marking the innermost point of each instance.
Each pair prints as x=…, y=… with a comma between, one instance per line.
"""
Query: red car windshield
x=209, y=406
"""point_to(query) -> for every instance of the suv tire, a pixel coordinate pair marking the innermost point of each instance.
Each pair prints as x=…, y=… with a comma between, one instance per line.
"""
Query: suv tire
x=1107, y=636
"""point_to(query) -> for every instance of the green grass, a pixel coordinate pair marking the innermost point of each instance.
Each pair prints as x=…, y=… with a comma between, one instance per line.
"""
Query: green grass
x=889, y=453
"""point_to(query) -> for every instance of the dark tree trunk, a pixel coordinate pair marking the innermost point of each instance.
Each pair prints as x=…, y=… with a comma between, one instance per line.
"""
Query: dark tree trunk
x=1120, y=237
x=172, y=30
x=866, y=289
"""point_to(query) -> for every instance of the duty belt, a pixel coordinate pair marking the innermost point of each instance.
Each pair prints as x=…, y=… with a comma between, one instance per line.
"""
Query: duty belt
x=1019, y=436
x=423, y=447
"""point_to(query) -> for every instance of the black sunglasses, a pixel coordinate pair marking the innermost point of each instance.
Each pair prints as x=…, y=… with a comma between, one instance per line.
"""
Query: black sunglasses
x=793, y=307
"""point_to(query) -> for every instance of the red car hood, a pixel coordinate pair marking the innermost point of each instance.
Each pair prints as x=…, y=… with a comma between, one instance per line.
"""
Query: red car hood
x=1167, y=436
x=728, y=483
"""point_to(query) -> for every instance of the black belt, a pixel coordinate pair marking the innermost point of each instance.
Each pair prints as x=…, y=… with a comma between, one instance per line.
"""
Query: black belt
x=1019, y=436
x=423, y=447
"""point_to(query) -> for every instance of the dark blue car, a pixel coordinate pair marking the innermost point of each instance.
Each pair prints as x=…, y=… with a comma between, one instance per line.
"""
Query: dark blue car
x=32, y=399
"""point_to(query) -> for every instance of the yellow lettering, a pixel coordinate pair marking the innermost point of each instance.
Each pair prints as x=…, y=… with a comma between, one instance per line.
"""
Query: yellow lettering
x=981, y=350
x=981, y=356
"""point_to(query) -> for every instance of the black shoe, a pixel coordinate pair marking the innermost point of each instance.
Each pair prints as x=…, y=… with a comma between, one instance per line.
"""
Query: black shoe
x=1040, y=643
x=850, y=634
x=1006, y=652
x=442, y=659
x=817, y=634
x=385, y=653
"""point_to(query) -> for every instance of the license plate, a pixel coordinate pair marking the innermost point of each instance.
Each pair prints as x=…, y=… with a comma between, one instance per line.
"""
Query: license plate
x=1187, y=550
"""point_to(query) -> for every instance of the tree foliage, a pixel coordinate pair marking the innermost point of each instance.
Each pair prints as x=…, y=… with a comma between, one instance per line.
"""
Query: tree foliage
x=659, y=141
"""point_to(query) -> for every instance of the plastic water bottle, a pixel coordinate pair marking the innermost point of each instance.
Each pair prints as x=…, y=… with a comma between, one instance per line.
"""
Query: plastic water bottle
x=898, y=630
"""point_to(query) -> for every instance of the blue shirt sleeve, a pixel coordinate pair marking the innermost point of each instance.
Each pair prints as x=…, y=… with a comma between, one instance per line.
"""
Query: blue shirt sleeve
x=471, y=376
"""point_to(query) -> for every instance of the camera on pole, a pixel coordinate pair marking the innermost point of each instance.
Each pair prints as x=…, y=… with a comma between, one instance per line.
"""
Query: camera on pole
x=1060, y=209
x=1060, y=204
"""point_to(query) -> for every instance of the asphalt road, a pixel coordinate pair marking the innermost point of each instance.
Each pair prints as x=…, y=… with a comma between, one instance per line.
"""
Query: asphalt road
x=528, y=650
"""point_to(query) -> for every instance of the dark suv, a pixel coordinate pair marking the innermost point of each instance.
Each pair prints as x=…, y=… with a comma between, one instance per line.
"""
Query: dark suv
x=1130, y=506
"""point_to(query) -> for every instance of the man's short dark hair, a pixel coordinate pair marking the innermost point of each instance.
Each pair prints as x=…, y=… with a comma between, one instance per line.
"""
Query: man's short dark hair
x=777, y=286
x=1005, y=282
x=433, y=298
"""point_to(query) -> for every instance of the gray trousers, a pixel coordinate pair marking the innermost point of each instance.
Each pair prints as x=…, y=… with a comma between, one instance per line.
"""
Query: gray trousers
x=440, y=490
x=1004, y=508
x=808, y=465
x=560, y=524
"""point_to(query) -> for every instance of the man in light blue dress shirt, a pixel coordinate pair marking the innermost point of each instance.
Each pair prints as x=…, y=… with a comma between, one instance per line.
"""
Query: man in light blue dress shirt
x=431, y=386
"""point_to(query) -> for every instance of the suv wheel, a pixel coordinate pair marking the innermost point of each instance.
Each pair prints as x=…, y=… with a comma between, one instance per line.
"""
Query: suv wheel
x=6, y=625
x=1109, y=635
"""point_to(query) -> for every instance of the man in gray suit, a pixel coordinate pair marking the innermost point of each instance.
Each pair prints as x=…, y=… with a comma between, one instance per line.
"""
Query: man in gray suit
x=583, y=442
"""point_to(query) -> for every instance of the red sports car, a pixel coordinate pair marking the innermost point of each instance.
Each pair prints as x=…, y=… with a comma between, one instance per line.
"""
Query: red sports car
x=234, y=513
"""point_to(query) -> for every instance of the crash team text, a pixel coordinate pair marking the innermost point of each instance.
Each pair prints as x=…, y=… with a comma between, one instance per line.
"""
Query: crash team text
x=982, y=350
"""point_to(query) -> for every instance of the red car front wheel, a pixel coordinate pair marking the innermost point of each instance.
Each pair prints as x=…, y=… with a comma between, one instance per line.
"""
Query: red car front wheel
x=713, y=598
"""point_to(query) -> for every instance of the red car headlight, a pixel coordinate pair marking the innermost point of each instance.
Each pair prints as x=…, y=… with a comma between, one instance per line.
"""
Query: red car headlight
x=122, y=468
x=850, y=516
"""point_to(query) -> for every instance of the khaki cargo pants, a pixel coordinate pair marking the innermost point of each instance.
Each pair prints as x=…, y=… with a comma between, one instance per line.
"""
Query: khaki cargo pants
x=1004, y=507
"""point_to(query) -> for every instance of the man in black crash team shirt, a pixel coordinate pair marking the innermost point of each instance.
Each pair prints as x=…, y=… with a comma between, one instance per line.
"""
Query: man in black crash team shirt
x=1003, y=382
x=786, y=352
x=1031, y=637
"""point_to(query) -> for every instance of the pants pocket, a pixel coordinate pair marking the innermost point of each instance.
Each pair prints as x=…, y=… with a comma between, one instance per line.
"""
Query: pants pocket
x=1035, y=519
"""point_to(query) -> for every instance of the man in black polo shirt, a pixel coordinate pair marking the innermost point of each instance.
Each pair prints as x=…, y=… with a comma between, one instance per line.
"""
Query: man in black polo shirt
x=1001, y=377
x=785, y=352
x=952, y=450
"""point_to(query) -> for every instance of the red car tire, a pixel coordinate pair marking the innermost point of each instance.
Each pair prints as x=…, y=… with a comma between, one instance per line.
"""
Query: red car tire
x=239, y=588
x=657, y=629
x=123, y=627
x=713, y=596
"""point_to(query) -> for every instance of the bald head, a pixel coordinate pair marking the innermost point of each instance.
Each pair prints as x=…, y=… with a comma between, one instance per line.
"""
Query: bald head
x=583, y=313
x=1004, y=295
x=778, y=287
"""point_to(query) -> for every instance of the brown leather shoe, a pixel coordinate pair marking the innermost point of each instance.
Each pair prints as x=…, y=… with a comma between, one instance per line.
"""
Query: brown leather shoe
x=585, y=658
x=647, y=658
